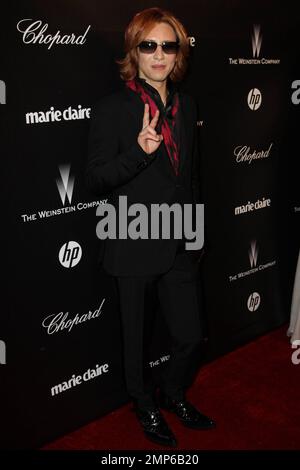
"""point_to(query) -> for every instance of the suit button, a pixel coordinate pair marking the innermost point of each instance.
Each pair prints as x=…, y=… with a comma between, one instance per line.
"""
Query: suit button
x=142, y=164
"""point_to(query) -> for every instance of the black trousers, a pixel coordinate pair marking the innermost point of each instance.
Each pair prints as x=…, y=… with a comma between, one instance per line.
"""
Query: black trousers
x=178, y=298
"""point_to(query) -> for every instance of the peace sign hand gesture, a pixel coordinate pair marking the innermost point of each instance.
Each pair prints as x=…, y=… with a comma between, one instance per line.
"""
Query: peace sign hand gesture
x=148, y=138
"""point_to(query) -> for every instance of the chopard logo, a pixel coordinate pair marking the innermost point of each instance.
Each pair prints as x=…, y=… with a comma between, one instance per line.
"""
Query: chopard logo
x=58, y=322
x=33, y=33
x=243, y=154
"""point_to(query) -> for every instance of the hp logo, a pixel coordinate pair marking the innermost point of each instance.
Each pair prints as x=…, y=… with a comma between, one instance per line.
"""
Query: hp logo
x=253, y=301
x=254, y=99
x=70, y=254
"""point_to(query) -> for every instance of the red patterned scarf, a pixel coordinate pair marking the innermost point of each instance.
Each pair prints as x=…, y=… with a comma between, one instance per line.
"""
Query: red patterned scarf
x=168, y=126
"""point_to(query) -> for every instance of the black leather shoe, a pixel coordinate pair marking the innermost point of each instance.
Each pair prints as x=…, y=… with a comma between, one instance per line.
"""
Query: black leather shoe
x=186, y=412
x=155, y=427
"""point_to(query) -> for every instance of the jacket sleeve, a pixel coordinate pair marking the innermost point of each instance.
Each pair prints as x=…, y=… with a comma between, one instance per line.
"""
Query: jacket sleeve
x=107, y=167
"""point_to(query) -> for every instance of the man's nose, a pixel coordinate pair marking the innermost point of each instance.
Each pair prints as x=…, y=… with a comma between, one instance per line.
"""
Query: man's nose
x=159, y=52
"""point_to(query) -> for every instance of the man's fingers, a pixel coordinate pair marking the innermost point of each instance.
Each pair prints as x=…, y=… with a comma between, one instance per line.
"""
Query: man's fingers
x=150, y=136
x=155, y=119
x=148, y=129
x=146, y=115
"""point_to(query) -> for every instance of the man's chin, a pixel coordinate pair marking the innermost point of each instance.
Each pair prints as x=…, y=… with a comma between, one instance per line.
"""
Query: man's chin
x=159, y=78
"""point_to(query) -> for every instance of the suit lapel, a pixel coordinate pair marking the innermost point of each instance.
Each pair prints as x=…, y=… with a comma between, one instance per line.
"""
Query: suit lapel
x=135, y=107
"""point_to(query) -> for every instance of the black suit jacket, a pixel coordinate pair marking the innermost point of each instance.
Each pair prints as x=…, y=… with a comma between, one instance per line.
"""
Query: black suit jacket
x=117, y=165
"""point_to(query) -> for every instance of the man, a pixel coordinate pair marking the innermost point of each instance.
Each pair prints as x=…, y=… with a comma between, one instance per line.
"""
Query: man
x=143, y=145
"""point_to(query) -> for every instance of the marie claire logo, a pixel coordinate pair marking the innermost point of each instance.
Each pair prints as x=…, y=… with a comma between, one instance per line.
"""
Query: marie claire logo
x=252, y=206
x=70, y=254
x=55, y=115
x=244, y=154
x=253, y=301
x=79, y=379
x=34, y=33
x=256, y=43
x=253, y=257
x=57, y=322
x=192, y=41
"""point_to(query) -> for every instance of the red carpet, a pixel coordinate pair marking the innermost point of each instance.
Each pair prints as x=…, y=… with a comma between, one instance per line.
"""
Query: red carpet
x=252, y=393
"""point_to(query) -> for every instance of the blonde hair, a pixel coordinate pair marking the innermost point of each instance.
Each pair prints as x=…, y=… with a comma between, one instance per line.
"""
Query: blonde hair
x=137, y=30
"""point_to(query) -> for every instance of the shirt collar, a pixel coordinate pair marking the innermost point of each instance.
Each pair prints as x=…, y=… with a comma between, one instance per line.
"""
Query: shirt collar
x=171, y=86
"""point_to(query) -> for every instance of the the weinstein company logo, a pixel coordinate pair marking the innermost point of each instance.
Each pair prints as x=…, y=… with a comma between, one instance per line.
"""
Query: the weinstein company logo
x=256, y=42
x=34, y=33
x=253, y=252
x=253, y=256
x=2, y=92
x=65, y=183
x=2, y=352
x=65, y=186
x=243, y=154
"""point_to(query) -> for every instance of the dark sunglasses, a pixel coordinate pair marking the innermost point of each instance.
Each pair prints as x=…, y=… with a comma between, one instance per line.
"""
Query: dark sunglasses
x=148, y=47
